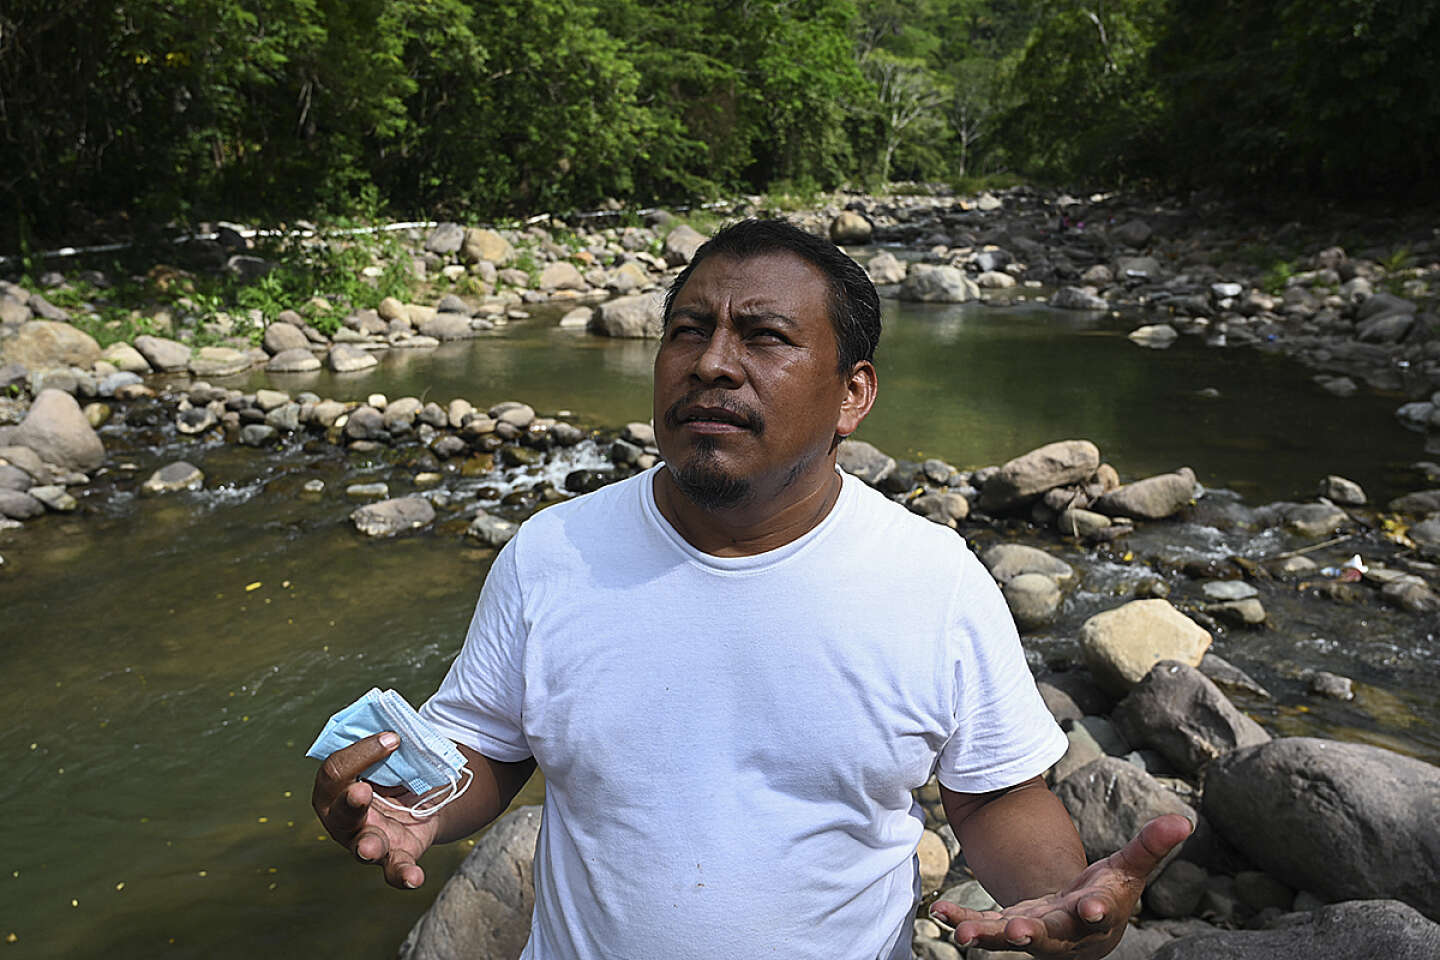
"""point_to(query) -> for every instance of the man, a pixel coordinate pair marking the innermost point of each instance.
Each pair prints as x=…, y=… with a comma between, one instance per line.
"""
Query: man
x=734, y=668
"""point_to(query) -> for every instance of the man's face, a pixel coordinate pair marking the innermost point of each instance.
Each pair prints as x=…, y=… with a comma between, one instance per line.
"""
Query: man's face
x=748, y=395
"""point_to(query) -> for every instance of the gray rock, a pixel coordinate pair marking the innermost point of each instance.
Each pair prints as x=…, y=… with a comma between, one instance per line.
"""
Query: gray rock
x=937, y=950
x=1360, y=929
x=453, y=304
x=1110, y=800
x=1228, y=590
x=1157, y=336
x=640, y=434
x=445, y=238
x=864, y=461
x=268, y=400
x=366, y=423
x=1083, y=751
x=218, y=362
x=1179, y=712
x=1122, y=645
x=125, y=358
x=1339, y=490
x=1078, y=298
x=14, y=478
x=1153, y=498
x=561, y=275
x=491, y=531
x=1006, y=561
x=1028, y=476
x=172, y=478
x=18, y=505
x=1176, y=891
x=1411, y=593
x=280, y=337
x=1134, y=233
x=681, y=244
x=47, y=344
x=1301, y=806
x=1084, y=524
x=285, y=417
x=293, y=361
x=391, y=517
x=196, y=420
x=344, y=358
x=1315, y=520
x=885, y=268
x=1249, y=612
x=1419, y=503
x=1389, y=328
x=1061, y=705
x=488, y=246
x=123, y=378
x=55, y=497
x=635, y=316
x=447, y=326
x=1334, y=686
x=1383, y=304
x=57, y=430
x=1228, y=676
x=29, y=461
x=1137, y=268
x=850, y=227
x=946, y=509
x=1033, y=599
x=258, y=435
x=1260, y=891
x=925, y=283
x=400, y=414
x=518, y=415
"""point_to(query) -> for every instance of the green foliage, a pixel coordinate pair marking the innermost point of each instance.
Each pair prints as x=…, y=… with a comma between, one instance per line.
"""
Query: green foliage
x=1277, y=278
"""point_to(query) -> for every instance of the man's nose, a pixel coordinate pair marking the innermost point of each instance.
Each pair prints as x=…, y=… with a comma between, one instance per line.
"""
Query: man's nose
x=720, y=360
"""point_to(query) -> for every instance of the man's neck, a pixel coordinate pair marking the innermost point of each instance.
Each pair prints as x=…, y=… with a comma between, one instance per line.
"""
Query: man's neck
x=758, y=525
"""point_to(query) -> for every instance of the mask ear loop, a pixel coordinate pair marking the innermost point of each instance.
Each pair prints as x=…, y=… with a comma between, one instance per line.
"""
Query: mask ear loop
x=457, y=790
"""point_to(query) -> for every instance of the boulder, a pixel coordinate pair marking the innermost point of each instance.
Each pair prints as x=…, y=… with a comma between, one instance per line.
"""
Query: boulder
x=640, y=315
x=1078, y=298
x=390, y=517
x=19, y=505
x=1344, y=820
x=1177, y=711
x=163, y=354
x=1315, y=520
x=1122, y=645
x=850, y=227
x=55, y=497
x=484, y=908
x=59, y=432
x=491, y=531
x=445, y=238
x=1110, y=799
x=258, y=435
x=1005, y=561
x=1176, y=890
x=561, y=275
x=447, y=326
x=931, y=284
x=1419, y=503
x=1153, y=498
x=1337, y=489
x=293, y=361
x=681, y=244
x=1154, y=335
x=1028, y=476
x=1354, y=929
x=453, y=304
x=885, y=268
x=946, y=509
x=218, y=362
x=1033, y=599
x=864, y=461
x=365, y=423
x=46, y=345
x=1137, y=268
x=344, y=358
x=1133, y=233
x=486, y=245
x=125, y=358
x=934, y=859
x=172, y=478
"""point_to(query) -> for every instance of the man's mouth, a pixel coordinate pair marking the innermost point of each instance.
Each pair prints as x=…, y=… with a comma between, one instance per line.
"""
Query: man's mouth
x=713, y=417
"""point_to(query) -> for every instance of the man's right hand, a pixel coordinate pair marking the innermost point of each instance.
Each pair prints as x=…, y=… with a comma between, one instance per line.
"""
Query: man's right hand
x=373, y=832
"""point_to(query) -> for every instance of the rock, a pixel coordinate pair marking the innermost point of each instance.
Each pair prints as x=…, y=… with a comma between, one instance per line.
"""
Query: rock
x=113, y=383
x=519, y=415
x=125, y=358
x=390, y=517
x=173, y=478
x=344, y=358
x=1345, y=820
x=258, y=435
x=885, y=268
x=1005, y=561
x=366, y=423
x=376, y=490
x=931, y=284
x=864, y=461
x=293, y=361
x=1339, y=490
x=447, y=326
x=400, y=415
x=1176, y=891
x=196, y=420
x=1360, y=929
x=218, y=362
x=1315, y=520
x=47, y=345
x=1412, y=593
x=1390, y=328
x=1111, y=799
x=1177, y=711
x=280, y=337
x=1133, y=233
x=285, y=417
x=486, y=245
x=1383, y=304
x=1225, y=674
x=561, y=275
x=934, y=861
x=946, y=509
x=491, y=531
x=1078, y=298
x=445, y=238
x=1083, y=524
x=55, y=497
x=18, y=505
x=14, y=478
x=850, y=227
x=1326, y=684
x=58, y=431
x=1137, y=268
x=1419, y=503
x=457, y=410
x=1153, y=498
x=1033, y=599
x=988, y=202
x=162, y=354
x=1259, y=891
x=453, y=304
x=1028, y=476
x=627, y=278
x=1249, y=612
x=1154, y=335
x=578, y=318
x=1122, y=645
x=636, y=316
x=1084, y=750
x=681, y=244
x=1228, y=590
x=268, y=400
x=937, y=950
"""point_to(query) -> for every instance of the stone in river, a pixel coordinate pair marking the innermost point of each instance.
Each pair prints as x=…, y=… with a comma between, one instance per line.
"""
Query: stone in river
x=1028, y=476
x=125, y=358
x=293, y=361
x=1176, y=891
x=1315, y=519
x=1078, y=298
x=1154, y=335
x=1005, y=561
x=518, y=415
x=390, y=517
x=1340, y=490
x=1033, y=599
x=15, y=478
x=946, y=509
x=1419, y=503
x=258, y=435
x=926, y=283
x=1123, y=644
x=172, y=478
x=561, y=275
x=195, y=420
x=45, y=344
x=447, y=326
x=1110, y=799
x=268, y=400
x=578, y=318
x=1344, y=820
x=1152, y=498
x=453, y=304
x=850, y=227
x=864, y=461
x=112, y=384
x=55, y=497
x=486, y=245
x=1242, y=613
x=345, y=358
x=1225, y=674
x=1359, y=928
x=367, y=491
x=885, y=268
x=17, y=505
x=1331, y=685
x=492, y=531
x=280, y=337
x=1082, y=524
x=57, y=430
x=285, y=417
x=633, y=316
x=218, y=362
x=680, y=245
x=1228, y=590
x=1178, y=711
x=163, y=354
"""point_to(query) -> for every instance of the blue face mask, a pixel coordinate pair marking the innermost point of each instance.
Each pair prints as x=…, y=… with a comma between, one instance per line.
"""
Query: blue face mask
x=425, y=761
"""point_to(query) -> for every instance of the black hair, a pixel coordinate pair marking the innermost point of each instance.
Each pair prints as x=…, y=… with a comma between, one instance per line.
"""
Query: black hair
x=854, y=304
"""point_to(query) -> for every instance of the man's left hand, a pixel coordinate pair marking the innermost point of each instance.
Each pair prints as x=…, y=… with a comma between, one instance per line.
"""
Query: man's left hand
x=1083, y=922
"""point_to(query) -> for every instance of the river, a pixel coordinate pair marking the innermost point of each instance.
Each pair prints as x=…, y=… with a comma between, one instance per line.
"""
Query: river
x=168, y=661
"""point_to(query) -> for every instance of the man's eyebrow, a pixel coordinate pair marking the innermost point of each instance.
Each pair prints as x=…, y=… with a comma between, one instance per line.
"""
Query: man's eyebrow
x=770, y=317
x=693, y=313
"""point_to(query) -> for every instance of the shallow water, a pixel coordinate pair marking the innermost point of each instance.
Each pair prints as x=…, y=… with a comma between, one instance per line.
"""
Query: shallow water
x=169, y=660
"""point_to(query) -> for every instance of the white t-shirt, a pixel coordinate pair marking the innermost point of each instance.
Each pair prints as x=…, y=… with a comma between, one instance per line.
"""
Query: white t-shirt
x=729, y=744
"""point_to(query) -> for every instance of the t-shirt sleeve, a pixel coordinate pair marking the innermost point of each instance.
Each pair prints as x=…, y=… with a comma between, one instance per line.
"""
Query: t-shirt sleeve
x=480, y=702
x=1004, y=734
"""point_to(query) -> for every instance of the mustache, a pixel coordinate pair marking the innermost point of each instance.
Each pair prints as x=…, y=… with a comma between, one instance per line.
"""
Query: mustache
x=751, y=418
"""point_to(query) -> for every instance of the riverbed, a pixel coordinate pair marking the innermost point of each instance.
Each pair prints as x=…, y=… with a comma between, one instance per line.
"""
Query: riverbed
x=170, y=659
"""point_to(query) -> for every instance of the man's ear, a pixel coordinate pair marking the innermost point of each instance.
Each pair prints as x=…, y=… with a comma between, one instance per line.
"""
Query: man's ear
x=861, y=388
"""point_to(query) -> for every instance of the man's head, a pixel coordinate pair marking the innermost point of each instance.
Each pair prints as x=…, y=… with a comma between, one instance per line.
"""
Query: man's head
x=853, y=304
x=754, y=385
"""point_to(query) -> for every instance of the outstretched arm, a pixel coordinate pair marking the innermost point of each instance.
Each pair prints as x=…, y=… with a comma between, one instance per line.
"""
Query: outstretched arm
x=1024, y=850
x=392, y=838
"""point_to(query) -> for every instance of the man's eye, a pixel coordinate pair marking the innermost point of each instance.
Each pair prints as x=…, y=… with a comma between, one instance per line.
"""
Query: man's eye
x=681, y=331
x=767, y=335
